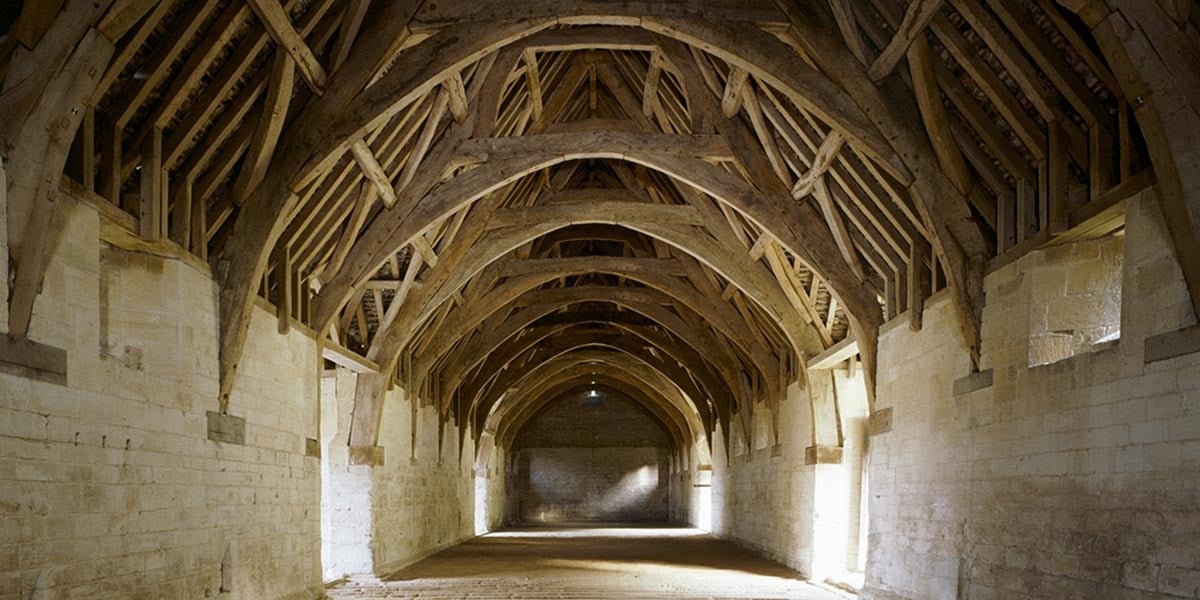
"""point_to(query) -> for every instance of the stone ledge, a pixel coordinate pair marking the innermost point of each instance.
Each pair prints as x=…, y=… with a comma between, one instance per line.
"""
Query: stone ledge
x=823, y=455
x=880, y=421
x=227, y=429
x=27, y=358
x=973, y=382
x=371, y=456
x=1173, y=344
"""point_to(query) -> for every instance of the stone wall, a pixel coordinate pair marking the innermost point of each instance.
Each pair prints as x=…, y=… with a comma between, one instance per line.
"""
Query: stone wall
x=109, y=486
x=592, y=459
x=3, y=244
x=762, y=491
x=1075, y=479
x=592, y=484
x=766, y=496
x=1074, y=298
x=690, y=496
x=491, y=493
x=424, y=496
x=347, y=522
x=381, y=518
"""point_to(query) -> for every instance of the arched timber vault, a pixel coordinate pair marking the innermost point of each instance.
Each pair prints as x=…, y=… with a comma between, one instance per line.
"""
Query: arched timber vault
x=694, y=340
x=549, y=359
x=665, y=409
x=515, y=424
x=448, y=52
x=704, y=387
x=432, y=156
x=703, y=369
x=619, y=371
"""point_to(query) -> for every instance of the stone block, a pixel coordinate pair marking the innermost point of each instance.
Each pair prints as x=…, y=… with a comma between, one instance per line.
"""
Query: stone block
x=880, y=422
x=1140, y=576
x=823, y=455
x=1173, y=344
x=312, y=448
x=1058, y=254
x=226, y=428
x=1094, y=276
x=1046, y=348
x=371, y=456
x=1050, y=282
x=973, y=382
x=1084, y=310
x=1179, y=581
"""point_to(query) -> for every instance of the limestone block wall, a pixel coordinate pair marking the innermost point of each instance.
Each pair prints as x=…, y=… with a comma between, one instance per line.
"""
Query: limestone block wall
x=109, y=487
x=593, y=484
x=1075, y=298
x=592, y=459
x=762, y=492
x=347, y=519
x=494, y=499
x=764, y=496
x=691, y=500
x=684, y=496
x=1078, y=478
x=423, y=499
x=3, y=244
x=380, y=518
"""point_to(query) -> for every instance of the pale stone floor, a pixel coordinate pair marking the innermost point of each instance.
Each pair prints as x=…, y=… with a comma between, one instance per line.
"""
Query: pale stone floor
x=591, y=561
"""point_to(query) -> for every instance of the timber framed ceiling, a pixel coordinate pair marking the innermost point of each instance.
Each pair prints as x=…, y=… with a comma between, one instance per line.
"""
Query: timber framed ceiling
x=476, y=198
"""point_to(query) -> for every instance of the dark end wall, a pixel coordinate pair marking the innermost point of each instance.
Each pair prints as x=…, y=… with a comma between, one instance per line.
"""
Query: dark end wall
x=591, y=459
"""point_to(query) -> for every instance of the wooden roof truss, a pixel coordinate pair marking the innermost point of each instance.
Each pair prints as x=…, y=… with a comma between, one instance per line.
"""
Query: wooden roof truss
x=610, y=179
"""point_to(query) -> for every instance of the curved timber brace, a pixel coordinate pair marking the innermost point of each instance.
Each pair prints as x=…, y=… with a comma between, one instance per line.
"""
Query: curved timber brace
x=47, y=89
x=1155, y=59
x=955, y=235
x=339, y=122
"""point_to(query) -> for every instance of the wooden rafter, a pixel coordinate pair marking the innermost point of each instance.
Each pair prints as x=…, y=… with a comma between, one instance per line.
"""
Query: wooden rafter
x=279, y=25
x=1021, y=136
x=916, y=18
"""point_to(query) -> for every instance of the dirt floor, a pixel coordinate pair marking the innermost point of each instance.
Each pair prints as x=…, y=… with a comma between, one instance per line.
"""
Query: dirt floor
x=617, y=561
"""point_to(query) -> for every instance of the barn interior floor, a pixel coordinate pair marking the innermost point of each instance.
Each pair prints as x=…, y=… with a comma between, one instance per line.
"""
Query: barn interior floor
x=590, y=561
